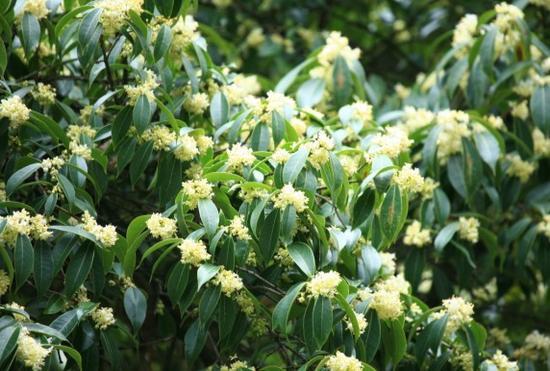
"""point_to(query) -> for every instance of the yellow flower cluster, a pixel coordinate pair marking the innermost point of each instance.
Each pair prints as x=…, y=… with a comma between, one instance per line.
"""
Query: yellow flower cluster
x=335, y=45
x=324, y=284
x=186, y=148
x=502, y=363
x=115, y=13
x=541, y=144
x=288, y=196
x=416, y=236
x=161, y=136
x=415, y=118
x=388, y=262
x=4, y=282
x=241, y=87
x=464, y=32
x=105, y=234
x=280, y=156
x=250, y=194
x=460, y=313
x=391, y=143
x=283, y=257
x=75, y=132
x=204, y=142
x=468, y=229
x=229, y=282
x=520, y=110
x=454, y=127
x=362, y=112
x=44, y=94
x=349, y=164
x=103, y=317
x=160, y=226
x=239, y=156
x=536, y=347
x=14, y=110
x=30, y=352
x=37, y=8
x=386, y=298
x=147, y=86
x=519, y=168
x=361, y=321
x=409, y=179
x=238, y=229
x=544, y=225
x=193, y=252
x=197, y=103
x=195, y=190
x=237, y=365
x=341, y=362
x=21, y=223
x=81, y=150
x=255, y=37
x=396, y=283
x=184, y=33
x=319, y=149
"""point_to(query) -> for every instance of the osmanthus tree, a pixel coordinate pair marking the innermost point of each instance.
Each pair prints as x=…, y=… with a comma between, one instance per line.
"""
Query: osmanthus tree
x=160, y=212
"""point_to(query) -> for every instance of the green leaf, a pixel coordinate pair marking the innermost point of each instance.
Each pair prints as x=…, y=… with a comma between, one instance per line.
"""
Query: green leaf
x=294, y=165
x=17, y=178
x=350, y=313
x=73, y=353
x=372, y=335
x=341, y=76
x=162, y=43
x=23, y=257
x=78, y=269
x=67, y=321
x=303, y=257
x=393, y=213
x=317, y=322
x=291, y=76
x=140, y=161
x=445, y=235
x=259, y=140
x=8, y=341
x=30, y=33
x=473, y=169
x=219, y=109
x=455, y=173
x=269, y=235
x=310, y=93
x=135, y=306
x=430, y=338
x=394, y=339
x=74, y=230
x=488, y=148
x=209, y=216
x=43, y=269
x=540, y=108
x=45, y=330
x=278, y=127
x=177, y=282
x=195, y=338
x=205, y=273
x=89, y=23
x=208, y=303
x=487, y=49
x=3, y=58
x=67, y=187
x=141, y=114
x=283, y=307
x=363, y=207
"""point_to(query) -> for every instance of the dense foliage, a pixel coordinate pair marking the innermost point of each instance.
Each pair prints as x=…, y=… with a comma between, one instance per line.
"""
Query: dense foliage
x=244, y=194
